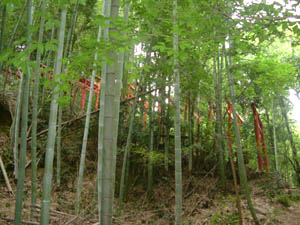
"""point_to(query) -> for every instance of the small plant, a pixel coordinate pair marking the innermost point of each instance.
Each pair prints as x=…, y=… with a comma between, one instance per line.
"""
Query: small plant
x=295, y=197
x=287, y=199
x=284, y=200
x=276, y=212
x=225, y=219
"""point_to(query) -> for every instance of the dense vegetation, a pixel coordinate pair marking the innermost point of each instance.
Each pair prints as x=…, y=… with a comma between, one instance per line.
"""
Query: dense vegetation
x=188, y=86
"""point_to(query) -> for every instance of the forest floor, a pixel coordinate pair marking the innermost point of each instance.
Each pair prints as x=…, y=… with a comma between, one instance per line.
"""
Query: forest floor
x=203, y=203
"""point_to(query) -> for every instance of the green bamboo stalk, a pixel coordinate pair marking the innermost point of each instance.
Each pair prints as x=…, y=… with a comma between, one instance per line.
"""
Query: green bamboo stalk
x=296, y=163
x=274, y=136
x=108, y=134
x=178, y=167
x=48, y=59
x=106, y=12
x=119, y=78
x=240, y=157
x=190, y=135
x=71, y=30
x=48, y=172
x=58, y=145
x=16, y=26
x=35, y=111
x=127, y=151
x=17, y=127
x=219, y=134
x=24, y=125
x=167, y=133
x=86, y=128
x=3, y=23
x=150, y=163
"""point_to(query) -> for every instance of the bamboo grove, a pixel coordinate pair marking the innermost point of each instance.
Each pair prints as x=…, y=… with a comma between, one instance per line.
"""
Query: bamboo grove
x=159, y=74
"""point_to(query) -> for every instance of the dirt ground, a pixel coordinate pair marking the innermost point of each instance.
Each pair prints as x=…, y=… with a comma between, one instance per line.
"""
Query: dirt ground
x=202, y=205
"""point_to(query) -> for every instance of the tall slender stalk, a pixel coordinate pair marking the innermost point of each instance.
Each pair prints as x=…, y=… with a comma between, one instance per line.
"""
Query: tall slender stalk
x=241, y=164
x=35, y=111
x=86, y=128
x=274, y=136
x=119, y=78
x=167, y=133
x=127, y=151
x=48, y=57
x=48, y=172
x=178, y=167
x=69, y=43
x=106, y=9
x=190, y=132
x=150, y=163
x=108, y=131
x=58, y=145
x=291, y=139
x=24, y=123
x=3, y=14
x=219, y=134
x=17, y=127
x=3, y=23
x=16, y=26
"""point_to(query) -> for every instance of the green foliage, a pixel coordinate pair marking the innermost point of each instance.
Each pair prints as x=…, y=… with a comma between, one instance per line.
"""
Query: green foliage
x=284, y=200
x=288, y=199
x=224, y=218
x=143, y=155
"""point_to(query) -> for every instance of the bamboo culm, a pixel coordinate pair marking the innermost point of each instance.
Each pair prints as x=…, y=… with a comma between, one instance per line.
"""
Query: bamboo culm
x=58, y=145
x=177, y=125
x=240, y=157
x=219, y=134
x=35, y=111
x=119, y=78
x=108, y=131
x=17, y=127
x=126, y=159
x=150, y=163
x=274, y=136
x=106, y=12
x=86, y=129
x=24, y=123
x=48, y=172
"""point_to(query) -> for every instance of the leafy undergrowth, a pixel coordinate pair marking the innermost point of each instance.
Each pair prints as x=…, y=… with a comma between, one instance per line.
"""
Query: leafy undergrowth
x=203, y=203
